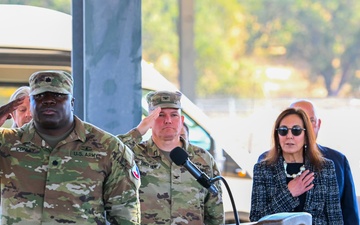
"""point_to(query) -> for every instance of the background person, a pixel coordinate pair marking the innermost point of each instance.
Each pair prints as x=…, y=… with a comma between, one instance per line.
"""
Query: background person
x=21, y=114
x=294, y=177
x=169, y=194
x=20, y=108
x=184, y=133
x=57, y=169
x=348, y=200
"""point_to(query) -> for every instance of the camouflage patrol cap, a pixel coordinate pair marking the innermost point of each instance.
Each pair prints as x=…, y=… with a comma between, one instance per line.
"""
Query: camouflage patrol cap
x=164, y=99
x=56, y=81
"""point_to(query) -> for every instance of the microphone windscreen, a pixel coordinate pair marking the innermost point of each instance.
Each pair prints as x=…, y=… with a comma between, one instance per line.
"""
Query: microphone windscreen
x=178, y=156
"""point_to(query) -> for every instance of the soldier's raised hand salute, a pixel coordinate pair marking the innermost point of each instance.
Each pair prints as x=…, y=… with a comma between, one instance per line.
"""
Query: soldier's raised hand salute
x=5, y=110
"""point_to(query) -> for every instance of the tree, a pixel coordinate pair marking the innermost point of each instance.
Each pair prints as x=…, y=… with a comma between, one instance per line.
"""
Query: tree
x=159, y=36
x=319, y=36
x=233, y=39
x=219, y=46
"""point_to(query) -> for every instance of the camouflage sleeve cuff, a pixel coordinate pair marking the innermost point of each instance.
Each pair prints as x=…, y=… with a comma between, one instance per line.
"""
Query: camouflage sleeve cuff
x=131, y=138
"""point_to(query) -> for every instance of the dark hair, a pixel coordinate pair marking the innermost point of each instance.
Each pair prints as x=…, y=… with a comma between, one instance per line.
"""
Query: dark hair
x=186, y=127
x=312, y=152
x=186, y=130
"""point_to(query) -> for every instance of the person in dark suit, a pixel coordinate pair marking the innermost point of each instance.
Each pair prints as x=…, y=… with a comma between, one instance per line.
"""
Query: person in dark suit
x=348, y=200
x=294, y=176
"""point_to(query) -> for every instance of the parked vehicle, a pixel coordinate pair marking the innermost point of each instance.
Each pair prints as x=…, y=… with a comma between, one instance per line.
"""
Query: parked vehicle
x=20, y=57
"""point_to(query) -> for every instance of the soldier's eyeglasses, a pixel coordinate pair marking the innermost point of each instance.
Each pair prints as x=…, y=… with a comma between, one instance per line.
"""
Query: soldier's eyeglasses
x=295, y=130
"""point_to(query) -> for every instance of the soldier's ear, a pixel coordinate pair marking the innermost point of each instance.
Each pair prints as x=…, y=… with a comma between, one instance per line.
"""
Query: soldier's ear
x=72, y=103
x=319, y=123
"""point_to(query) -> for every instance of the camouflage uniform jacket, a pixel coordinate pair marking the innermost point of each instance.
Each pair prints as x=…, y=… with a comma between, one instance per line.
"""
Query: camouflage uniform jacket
x=169, y=194
x=86, y=174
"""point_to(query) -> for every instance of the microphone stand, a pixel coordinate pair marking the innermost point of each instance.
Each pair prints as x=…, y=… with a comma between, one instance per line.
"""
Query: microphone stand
x=236, y=215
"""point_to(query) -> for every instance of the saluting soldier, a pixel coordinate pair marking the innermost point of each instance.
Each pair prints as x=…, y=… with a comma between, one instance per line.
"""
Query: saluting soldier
x=169, y=194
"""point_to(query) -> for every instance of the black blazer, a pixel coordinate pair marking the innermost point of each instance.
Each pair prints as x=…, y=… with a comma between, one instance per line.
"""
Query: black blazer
x=270, y=193
x=348, y=199
x=346, y=185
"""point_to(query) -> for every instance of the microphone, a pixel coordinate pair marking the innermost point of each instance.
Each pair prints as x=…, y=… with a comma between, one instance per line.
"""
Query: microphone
x=180, y=158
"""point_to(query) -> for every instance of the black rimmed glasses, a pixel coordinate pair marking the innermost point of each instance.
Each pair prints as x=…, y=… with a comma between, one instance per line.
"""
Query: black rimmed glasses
x=295, y=130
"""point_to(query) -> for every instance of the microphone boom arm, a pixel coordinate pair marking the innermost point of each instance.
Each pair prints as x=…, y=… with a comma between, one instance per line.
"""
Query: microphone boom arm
x=236, y=215
x=180, y=158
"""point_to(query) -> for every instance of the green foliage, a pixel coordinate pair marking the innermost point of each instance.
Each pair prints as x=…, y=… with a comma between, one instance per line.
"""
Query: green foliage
x=219, y=44
x=234, y=40
x=220, y=47
x=159, y=36
x=319, y=36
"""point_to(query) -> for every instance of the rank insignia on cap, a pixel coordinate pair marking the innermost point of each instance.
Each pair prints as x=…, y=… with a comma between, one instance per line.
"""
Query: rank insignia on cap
x=55, y=81
x=135, y=172
x=165, y=98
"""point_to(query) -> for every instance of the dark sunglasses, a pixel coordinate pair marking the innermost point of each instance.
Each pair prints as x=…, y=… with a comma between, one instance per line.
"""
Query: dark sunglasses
x=295, y=130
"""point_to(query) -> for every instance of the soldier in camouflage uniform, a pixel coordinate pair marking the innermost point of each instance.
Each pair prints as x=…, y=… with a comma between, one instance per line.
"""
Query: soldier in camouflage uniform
x=169, y=194
x=58, y=169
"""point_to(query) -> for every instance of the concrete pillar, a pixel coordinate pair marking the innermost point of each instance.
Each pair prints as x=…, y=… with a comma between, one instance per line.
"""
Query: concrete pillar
x=109, y=68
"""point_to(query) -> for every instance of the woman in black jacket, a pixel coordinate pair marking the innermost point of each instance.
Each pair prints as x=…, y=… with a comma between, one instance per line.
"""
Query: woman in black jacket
x=294, y=176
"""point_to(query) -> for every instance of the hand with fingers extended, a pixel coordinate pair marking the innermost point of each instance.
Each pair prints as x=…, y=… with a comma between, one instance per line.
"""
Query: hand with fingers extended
x=5, y=110
x=148, y=121
x=301, y=184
